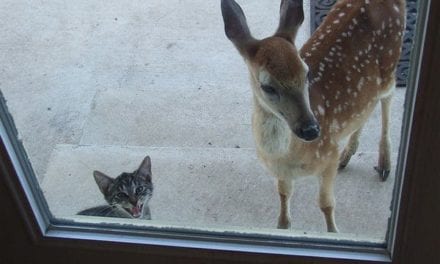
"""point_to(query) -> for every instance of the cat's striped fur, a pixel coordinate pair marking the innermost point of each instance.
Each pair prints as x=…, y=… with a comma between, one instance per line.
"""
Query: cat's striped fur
x=127, y=195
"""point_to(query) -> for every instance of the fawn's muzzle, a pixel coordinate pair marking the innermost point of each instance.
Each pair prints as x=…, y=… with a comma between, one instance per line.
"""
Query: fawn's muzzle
x=308, y=131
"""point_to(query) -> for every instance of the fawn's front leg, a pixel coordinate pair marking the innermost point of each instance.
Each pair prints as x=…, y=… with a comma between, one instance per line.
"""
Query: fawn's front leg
x=285, y=189
x=326, y=195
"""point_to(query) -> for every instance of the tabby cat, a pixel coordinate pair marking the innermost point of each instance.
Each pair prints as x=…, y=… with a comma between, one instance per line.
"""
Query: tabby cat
x=127, y=195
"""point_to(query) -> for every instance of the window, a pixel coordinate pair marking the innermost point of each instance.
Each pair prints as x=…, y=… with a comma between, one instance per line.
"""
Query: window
x=199, y=239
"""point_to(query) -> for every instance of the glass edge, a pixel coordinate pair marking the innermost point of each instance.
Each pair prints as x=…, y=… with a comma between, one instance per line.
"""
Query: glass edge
x=22, y=166
x=181, y=238
x=410, y=99
x=220, y=242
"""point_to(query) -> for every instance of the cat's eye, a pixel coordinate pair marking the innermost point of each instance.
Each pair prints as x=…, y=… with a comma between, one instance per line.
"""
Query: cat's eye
x=122, y=195
x=140, y=189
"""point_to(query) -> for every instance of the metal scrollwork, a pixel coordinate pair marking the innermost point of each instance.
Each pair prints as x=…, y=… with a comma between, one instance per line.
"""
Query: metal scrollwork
x=320, y=8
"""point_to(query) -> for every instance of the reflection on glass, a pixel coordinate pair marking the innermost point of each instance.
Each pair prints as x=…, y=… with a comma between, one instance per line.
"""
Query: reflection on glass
x=100, y=86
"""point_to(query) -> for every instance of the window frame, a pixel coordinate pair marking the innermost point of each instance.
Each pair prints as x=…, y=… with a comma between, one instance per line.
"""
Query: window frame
x=414, y=238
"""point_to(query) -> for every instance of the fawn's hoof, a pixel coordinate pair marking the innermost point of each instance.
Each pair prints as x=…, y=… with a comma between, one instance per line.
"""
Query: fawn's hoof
x=383, y=173
x=342, y=165
x=343, y=162
x=332, y=229
x=283, y=224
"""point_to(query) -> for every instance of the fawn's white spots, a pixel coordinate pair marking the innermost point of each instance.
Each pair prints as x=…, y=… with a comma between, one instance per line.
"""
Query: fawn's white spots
x=341, y=14
x=334, y=126
x=360, y=84
x=378, y=80
x=321, y=110
x=390, y=52
x=398, y=21
x=318, y=156
x=367, y=2
x=348, y=78
x=327, y=103
x=362, y=9
x=336, y=21
x=308, y=54
x=396, y=8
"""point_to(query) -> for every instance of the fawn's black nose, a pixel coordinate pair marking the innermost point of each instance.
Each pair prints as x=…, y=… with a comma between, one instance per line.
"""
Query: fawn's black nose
x=309, y=131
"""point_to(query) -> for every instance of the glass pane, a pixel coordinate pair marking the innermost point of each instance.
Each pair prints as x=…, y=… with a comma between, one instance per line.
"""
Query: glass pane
x=99, y=86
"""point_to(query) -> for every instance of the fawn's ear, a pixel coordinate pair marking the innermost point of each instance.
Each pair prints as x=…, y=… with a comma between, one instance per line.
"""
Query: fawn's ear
x=236, y=27
x=144, y=170
x=103, y=181
x=291, y=18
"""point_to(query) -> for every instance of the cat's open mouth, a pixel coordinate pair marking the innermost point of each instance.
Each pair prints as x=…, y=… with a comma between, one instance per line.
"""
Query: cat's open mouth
x=136, y=211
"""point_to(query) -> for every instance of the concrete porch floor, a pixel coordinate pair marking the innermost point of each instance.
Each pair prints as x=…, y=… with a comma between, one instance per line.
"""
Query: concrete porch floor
x=97, y=86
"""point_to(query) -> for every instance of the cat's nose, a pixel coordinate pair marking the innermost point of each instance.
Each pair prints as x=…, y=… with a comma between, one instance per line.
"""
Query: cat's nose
x=133, y=202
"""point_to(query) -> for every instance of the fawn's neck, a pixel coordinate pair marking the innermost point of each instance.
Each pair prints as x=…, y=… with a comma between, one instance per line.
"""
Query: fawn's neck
x=272, y=134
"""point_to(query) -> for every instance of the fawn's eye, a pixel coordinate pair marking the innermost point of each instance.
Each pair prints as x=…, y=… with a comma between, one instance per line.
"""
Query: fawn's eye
x=140, y=189
x=268, y=89
x=270, y=92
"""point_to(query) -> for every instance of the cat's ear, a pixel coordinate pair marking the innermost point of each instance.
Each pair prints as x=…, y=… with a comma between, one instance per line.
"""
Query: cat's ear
x=104, y=182
x=144, y=170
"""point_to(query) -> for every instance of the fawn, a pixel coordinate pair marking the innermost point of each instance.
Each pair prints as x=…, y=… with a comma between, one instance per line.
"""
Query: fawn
x=307, y=102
